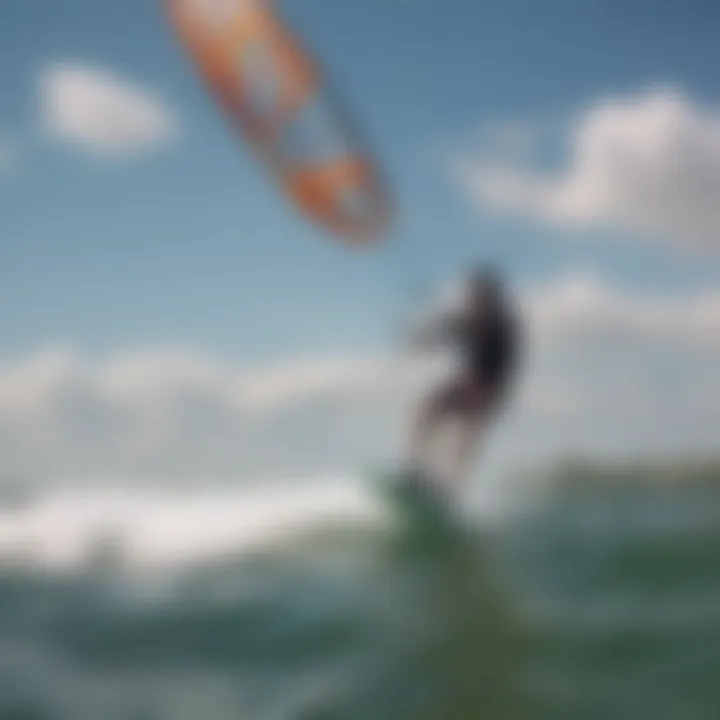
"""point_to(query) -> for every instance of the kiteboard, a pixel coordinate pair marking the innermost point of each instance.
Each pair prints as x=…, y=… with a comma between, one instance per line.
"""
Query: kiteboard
x=417, y=499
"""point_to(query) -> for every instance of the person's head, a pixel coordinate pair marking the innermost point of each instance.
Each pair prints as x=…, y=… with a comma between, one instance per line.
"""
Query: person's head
x=485, y=287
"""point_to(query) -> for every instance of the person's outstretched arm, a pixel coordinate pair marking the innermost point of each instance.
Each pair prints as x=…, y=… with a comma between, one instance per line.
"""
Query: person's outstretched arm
x=434, y=332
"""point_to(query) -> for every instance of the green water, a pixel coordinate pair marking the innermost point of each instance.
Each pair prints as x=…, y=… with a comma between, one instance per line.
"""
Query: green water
x=597, y=605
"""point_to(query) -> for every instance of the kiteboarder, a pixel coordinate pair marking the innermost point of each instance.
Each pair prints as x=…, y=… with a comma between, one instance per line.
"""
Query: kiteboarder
x=485, y=330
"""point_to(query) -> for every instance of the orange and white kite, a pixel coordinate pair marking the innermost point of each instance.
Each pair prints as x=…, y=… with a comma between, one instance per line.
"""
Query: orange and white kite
x=273, y=92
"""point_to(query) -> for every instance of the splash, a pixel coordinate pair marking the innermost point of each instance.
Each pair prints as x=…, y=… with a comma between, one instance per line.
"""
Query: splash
x=148, y=527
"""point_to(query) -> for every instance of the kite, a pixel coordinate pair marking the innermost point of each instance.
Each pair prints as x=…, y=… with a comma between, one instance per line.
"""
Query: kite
x=274, y=93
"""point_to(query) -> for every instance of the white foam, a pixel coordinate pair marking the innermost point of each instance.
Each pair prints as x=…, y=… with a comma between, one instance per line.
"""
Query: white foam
x=63, y=528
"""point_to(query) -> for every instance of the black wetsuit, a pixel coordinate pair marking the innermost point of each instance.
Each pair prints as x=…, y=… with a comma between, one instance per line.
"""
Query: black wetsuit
x=488, y=346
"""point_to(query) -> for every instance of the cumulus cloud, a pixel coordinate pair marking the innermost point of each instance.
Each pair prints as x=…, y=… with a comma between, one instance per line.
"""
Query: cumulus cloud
x=648, y=163
x=93, y=109
x=183, y=414
x=580, y=308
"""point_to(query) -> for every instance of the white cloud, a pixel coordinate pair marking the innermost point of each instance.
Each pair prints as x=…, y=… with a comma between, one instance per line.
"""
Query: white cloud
x=615, y=371
x=581, y=308
x=93, y=109
x=177, y=413
x=648, y=164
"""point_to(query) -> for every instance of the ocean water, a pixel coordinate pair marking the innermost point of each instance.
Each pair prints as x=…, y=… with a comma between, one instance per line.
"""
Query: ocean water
x=321, y=603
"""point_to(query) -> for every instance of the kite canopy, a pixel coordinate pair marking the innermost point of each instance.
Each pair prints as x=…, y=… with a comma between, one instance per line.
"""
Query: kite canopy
x=274, y=93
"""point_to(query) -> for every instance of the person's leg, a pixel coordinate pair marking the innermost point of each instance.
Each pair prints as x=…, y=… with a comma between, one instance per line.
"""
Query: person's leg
x=467, y=438
x=477, y=410
x=422, y=435
x=431, y=413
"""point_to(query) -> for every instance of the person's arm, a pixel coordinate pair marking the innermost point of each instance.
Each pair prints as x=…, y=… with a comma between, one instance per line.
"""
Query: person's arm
x=436, y=331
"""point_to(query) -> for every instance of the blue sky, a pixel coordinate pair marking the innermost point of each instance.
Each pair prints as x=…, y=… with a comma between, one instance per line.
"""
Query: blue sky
x=193, y=245
x=189, y=245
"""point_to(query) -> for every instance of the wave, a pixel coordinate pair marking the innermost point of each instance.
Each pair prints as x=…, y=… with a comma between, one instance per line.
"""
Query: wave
x=64, y=528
